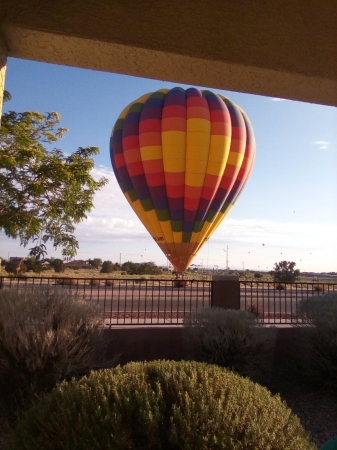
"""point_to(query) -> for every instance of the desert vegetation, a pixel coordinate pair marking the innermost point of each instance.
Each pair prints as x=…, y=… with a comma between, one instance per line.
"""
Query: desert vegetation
x=46, y=336
x=160, y=405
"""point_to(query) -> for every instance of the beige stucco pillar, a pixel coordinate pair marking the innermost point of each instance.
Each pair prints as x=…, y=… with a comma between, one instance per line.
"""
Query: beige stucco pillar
x=226, y=291
x=3, y=61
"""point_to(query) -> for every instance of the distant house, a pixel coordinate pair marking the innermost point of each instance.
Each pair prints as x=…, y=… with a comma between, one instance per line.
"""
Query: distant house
x=79, y=264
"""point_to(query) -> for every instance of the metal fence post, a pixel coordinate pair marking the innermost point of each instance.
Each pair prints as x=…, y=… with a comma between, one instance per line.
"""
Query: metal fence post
x=225, y=291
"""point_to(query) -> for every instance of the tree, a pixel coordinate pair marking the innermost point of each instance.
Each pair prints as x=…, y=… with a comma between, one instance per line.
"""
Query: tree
x=33, y=264
x=43, y=193
x=58, y=265
x=16, y=267
x=285, y=272
x=96, y=262
x=108, y=267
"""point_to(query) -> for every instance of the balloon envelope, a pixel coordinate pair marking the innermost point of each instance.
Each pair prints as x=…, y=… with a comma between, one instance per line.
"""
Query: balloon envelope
x=181, y=158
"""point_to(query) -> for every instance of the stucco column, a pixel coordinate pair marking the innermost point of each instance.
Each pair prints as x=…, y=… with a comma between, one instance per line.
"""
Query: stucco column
x=3, y=61
x=226, y=291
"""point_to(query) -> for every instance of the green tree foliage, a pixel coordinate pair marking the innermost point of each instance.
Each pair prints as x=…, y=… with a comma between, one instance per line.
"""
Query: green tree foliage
x=96, y=262
x=11, y=267
x=285, y=272
x=58, y=265
x=108, y=267
x=147, y=268
x=33, y=264
x=160, y=405
x=43, y=193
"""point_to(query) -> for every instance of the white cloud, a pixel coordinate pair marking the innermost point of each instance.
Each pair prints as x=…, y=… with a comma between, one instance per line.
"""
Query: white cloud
x=276, y=233
x=322, y=145
x=276, y=99
x=113, y=219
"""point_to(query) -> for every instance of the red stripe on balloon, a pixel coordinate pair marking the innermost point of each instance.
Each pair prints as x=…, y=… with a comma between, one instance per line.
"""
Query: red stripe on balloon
x=135, y=168
x=149, y=139
x=149, y=125
x=174, y=124
x=174, y=111
x=130, y=142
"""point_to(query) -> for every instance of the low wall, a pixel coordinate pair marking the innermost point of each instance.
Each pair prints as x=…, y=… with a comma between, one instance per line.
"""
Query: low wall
x=165, y=342
x=145, y=343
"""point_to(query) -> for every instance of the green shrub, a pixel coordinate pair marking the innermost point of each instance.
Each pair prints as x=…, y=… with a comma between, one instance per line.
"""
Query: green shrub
x=65, y=281
x=58, y=266
x=108, y=267
x=160, y=405
x=319, y=287
x=230, y=338
x=46, y=335
x=320, y=362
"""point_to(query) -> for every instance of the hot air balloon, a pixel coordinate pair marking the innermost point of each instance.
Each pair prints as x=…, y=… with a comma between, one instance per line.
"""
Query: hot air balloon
x=182, y=158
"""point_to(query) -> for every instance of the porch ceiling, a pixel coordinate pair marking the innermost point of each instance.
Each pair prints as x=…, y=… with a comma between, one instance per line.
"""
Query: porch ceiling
x=279, y=48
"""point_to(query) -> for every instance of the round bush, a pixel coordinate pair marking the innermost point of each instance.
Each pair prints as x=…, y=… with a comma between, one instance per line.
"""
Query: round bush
x=230, y=338
x=46, y=335
x=160, y=405
x=320, y=361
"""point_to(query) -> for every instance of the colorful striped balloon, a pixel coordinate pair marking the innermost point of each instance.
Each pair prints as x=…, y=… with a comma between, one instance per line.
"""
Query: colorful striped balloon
x=181, y=158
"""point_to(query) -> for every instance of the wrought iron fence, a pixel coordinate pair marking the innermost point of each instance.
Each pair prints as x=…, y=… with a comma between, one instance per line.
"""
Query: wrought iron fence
x=130, y=301
x=277, y=303
x=142, y=301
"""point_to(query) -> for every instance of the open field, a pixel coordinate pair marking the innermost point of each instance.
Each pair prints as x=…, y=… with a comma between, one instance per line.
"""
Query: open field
x=205, y=275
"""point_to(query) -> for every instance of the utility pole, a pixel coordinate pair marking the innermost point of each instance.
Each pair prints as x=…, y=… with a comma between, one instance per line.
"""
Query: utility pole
x=226, y=251
x=243, y=266
x=120, y=259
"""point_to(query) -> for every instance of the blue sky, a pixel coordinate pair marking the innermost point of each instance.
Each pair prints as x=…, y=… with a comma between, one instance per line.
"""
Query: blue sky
x=288, y=209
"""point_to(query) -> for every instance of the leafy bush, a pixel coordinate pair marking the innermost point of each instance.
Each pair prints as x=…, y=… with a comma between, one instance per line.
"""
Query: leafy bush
x=160, y=405
x=46, y=335
x=108, y=267
x=230, y=338
x=285, y=272
x=58, y=266
x=66, y=281
x=319, y=287
x=17, y=267
x=320, y=365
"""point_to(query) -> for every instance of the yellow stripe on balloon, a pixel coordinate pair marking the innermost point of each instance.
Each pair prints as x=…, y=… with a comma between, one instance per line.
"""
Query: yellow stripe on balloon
x=167, y=231
x=199, y=125
x=235, y=159
x=195, y=179
x=151, y=152
x=139, y=210
x=218, y=155
x=209, y=228
x=141, y=99
x=174, y=151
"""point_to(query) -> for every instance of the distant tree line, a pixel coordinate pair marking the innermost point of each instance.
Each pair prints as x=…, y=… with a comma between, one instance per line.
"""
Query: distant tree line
x=21, y=266
x=131, y=268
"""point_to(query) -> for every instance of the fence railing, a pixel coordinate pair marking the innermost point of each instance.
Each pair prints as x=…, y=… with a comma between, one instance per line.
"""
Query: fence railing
x=130, y=301
x=166, y=302
x=277, y=303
